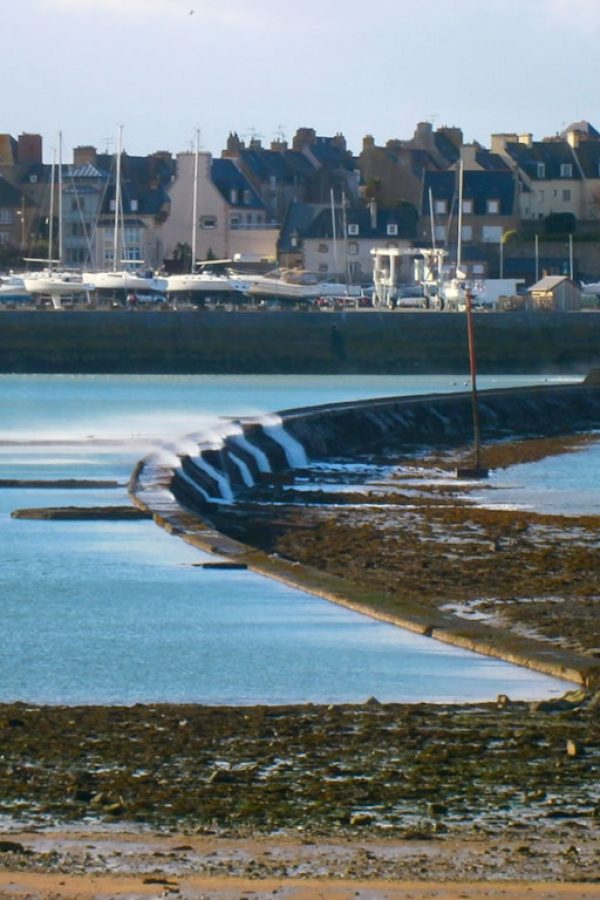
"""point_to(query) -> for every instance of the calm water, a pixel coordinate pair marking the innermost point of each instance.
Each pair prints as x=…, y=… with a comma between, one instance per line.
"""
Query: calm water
x=117, y=613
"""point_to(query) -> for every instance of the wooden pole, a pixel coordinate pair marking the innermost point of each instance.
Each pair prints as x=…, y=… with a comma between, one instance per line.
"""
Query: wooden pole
x=477, y=470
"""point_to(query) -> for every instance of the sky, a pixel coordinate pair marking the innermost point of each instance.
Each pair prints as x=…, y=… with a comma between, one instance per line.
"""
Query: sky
x=163, y=69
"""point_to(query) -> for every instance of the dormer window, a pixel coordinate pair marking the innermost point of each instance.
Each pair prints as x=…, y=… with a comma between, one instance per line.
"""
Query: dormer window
x=392, y=229
x=441, y=207
x=134, y=206
x=566, y=170
x=541, y=170
x=33, y=179
x=467, y=207
x=353, y=229
x=493, y=207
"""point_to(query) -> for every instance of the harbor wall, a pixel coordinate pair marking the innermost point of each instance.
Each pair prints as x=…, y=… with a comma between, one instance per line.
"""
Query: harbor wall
x=367, y=342
x=248, y=451
x=192, y=492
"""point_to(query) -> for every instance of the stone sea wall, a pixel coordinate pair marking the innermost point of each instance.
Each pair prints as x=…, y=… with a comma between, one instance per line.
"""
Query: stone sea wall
x=369, y=341
x=187, y=487
x=218, y=468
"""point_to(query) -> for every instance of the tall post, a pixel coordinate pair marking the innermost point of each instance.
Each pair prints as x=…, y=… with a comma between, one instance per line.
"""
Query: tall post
x=51, y=219
x=195, y=204
x=460, y=218
x=117, y=198
x=537, y=258
x=477, y=470
x=60, y=201
x=333, y=229
x=502, y=255
x=571, y=257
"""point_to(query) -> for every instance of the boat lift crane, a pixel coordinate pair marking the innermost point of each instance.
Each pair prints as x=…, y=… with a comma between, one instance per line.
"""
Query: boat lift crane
x=428, y=264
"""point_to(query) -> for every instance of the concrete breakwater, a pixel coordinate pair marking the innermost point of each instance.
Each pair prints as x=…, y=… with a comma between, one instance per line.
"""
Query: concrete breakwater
x=190, y=487
x=219, y=467
x=368, y=341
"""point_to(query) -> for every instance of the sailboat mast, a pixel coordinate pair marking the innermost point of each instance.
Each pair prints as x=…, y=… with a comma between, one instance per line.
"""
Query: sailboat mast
x=51, y=217
x=345, y=226
x=117, y=198
x=333, y=229
x=460, y=215
x=195, y=204
x=60, y=201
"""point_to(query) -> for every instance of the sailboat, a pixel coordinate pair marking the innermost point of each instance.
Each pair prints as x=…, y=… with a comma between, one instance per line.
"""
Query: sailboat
x=200, y=284
x=51, y=281
x=115, y=279
x=453, y=290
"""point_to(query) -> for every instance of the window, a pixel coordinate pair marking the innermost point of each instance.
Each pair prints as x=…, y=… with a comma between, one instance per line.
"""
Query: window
x=441, y=207
x=566, y=170
x=352, y=248
x=208, y=222
x=467, y=233
x=3, y=237
x=493, y=207
x=247, y=197
x=353, y=229
x=6, y=216
x=566, y=195
x=392, y=229
x=233, y=195
x=234, y=221
x=467, y=207
x=74, y=206
x=440, y=233
x=133, y=206
x=478, y=269
x=541, y=170
x=323, y=267
x=132, y=234
x=491, y=234
x=33, y=179
x=133, y=253
x=323, y=248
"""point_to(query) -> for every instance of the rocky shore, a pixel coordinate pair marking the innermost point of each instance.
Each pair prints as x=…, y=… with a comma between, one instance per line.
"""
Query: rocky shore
x=310, y=801
x=393, y=789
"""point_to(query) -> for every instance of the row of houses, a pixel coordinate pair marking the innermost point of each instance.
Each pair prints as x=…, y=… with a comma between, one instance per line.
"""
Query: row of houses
x=312, y=203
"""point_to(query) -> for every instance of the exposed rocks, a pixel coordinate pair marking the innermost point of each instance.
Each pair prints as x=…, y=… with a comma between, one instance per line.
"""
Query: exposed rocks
x=112, y=513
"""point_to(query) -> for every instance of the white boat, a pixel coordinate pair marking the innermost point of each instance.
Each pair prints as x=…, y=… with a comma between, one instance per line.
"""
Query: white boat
x=203, y=283
x=294, y=284
x=55, y=283
x=126, y=280
x=593, y=287
x=12, y=286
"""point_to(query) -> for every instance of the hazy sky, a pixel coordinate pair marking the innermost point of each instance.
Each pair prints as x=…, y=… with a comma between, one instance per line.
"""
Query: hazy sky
x=163, y=68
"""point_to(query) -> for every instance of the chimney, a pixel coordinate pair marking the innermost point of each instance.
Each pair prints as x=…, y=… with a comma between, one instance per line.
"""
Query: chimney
x=526, y=139
x=84, y=156
x=499, y=141
x=468, y=154
x=368, y=142
x=573, y=138
x=30, y=149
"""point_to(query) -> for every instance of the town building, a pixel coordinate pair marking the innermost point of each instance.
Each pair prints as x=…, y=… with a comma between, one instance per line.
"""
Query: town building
x=337, y=241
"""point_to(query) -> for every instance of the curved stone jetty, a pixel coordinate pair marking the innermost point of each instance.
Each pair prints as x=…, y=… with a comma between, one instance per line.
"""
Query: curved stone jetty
x=215, y=468
x=188, y=487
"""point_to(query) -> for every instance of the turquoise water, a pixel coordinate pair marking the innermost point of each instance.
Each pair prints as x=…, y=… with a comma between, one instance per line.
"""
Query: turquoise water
x=97, y=612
